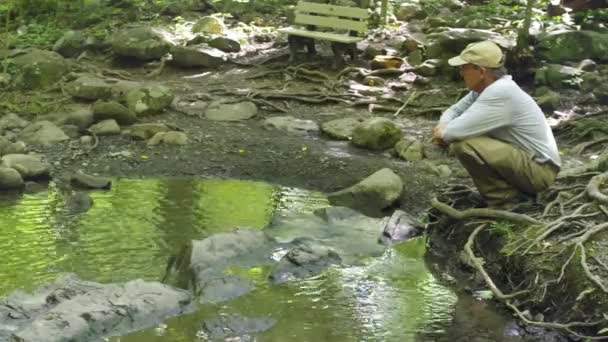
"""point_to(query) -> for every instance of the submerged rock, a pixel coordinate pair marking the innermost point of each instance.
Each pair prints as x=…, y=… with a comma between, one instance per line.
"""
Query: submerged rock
x=71, y=309
x=376, y=192
x=304, y=261
x=224, y=288
x=82, y=180
x=235, y=328
x=78, y=202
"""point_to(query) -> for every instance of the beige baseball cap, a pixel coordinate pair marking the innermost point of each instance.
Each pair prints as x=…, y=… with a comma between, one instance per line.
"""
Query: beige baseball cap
x=485, y=54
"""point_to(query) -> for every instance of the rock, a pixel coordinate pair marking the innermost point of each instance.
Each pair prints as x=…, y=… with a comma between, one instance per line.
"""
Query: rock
x=209, y=24
x=8, y=147
x=373, y=81
x=587, y=65
x=409, y=149
x=78, y=202
x=567, y=45
x=85, y=181
x=72, y=44
x=71, y=309
x=225, y=44
x=437, y=22
x=482, y=24
x=290, y=124
x=90, y=88
x=373, y=50
x=30, y=166
x=218, y=111
x=415, y=57
x=412, y=44
x=304, y=261
x=235, y=328
x=103, y=110
x=38, y=69
x=10, y=179
x=558, y=76
x=12, y=121
x=428, y=68
x=34, y=187
x=105, y=128
x=146, y=131
x=190, y=107
x=547, y=99
x=148, y=100
x=142, y=43
x=169, y=138
x=72, y=131
x=407, y=10
x=77, y=115
x=224, y=288
x=376, y=192
x=5, y=79
x=340, y=129
x=451, y=42
x=198, y=56
x=376, y=133
x=43, y=133
x=442, y=171
x=399, y=227
x=204, y=260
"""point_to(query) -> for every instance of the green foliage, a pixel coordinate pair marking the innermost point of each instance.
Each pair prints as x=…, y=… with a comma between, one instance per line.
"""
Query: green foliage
x=37, y=35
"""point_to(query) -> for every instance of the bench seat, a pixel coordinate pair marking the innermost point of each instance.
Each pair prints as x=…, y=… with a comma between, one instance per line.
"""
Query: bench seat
x=334, y=37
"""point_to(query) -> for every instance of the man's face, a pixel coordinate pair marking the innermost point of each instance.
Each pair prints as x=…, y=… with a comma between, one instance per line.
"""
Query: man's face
x=473, y=76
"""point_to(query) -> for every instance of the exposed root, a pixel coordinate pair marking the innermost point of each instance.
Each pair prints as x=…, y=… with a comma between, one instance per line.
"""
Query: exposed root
x=593, y=188
x=482, y=212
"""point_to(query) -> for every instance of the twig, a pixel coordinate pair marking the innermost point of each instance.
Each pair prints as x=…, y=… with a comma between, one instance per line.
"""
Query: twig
x=409, y=99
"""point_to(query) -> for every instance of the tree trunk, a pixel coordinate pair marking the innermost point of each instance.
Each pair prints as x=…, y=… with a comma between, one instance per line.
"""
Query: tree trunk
x=523, y=41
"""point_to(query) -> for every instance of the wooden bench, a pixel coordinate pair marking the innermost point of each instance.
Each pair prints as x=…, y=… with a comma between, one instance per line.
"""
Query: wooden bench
x=345, y=24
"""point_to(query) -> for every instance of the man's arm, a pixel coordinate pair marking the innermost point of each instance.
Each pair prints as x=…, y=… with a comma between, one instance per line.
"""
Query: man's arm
x=491, y=110
x=457, y=109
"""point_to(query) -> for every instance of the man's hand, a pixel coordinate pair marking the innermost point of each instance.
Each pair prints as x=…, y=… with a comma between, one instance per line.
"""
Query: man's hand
x=438, y=135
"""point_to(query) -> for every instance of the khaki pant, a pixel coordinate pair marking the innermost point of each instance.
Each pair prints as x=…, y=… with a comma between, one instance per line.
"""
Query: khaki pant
x=502, y=172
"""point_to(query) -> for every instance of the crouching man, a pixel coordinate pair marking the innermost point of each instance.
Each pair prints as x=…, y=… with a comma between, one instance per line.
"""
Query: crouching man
x=497, y=131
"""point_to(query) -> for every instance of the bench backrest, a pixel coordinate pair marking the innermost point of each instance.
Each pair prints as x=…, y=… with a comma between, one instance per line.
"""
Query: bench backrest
x=336, y=17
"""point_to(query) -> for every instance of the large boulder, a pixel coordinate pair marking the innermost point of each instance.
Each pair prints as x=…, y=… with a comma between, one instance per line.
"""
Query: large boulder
x=218, y=111
x=10, y=179
x=142, y=43
x=197, y=56
x=148, y=100
x=29, y=166
x=374, y=193
x=39, y=69
x=43, y=133
x=376, y=133
x=340, y=129
x=210, y=25
x=567, y=45
x=407, y=10
x=71, y=44
x=104, y=110
x=71, y=309
x=89, y=87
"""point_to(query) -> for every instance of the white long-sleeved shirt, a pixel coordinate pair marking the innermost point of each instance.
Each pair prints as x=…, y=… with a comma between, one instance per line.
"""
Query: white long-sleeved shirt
x=505, y=112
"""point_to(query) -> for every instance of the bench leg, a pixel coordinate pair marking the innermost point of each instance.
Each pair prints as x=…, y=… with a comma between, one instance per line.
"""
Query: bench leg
x=352, y=51
x=297, y=42
x=338, y=49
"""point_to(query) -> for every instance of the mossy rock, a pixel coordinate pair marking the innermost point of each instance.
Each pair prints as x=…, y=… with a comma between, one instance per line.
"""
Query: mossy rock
x=39, y=69
x=142, y=43
x=209, y=24
x=376, y=133
x=149, y=100
x=562, y=46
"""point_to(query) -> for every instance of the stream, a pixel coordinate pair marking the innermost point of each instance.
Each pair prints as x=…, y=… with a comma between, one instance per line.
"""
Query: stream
x=133, y=229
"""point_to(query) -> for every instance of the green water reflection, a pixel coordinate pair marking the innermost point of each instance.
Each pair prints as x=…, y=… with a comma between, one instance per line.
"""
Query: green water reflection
x=128, y=233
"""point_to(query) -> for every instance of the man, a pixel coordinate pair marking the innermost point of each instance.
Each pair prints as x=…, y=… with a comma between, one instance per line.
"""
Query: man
x=497, y=131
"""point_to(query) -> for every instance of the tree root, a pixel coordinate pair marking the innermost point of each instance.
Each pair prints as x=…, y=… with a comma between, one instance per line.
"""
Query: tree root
x=593, y=188
x=580, y=148
x=482, y=212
